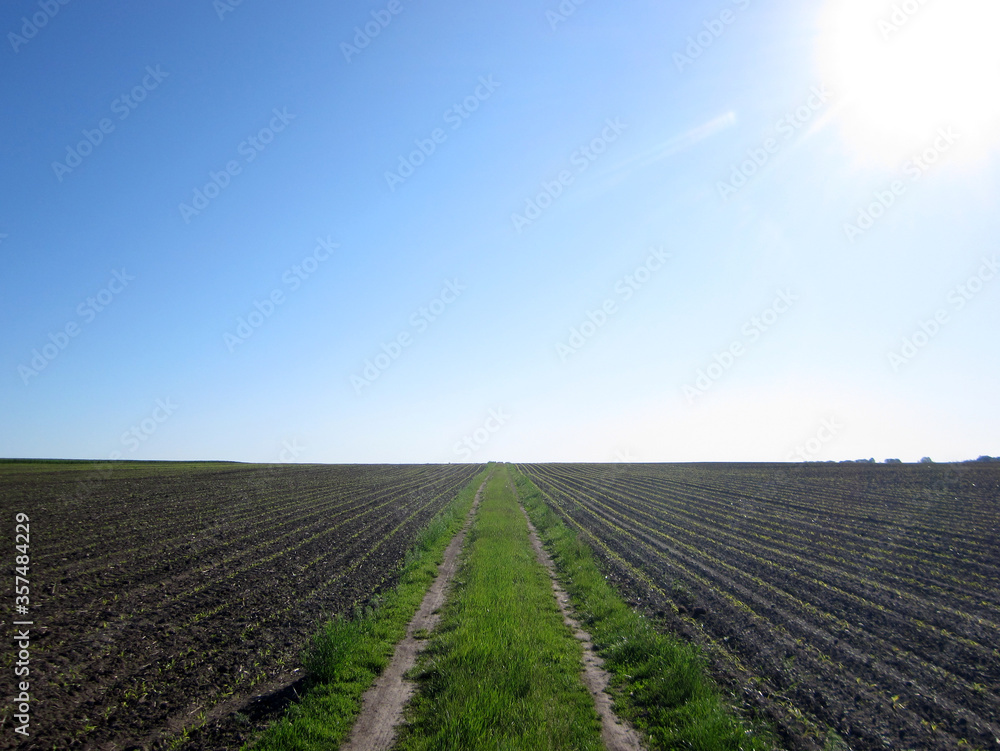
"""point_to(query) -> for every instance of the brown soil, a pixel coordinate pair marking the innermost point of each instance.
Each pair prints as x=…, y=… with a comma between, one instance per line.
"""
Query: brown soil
x=174, y=600
x=855, y=599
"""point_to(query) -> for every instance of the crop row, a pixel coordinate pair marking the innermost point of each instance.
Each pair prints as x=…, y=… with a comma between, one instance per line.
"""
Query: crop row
x=780, y=586
x=171, y=588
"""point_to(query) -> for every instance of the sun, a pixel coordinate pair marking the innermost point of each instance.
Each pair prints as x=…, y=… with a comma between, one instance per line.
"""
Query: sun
x=903, y=69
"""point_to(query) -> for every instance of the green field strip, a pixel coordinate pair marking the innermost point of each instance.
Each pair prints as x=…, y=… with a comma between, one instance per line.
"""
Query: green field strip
x=347, y=654
x=502, y=670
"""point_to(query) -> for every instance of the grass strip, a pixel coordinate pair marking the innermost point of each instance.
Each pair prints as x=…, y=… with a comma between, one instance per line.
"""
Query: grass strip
x=346, y=656
x=502, y=670
x=659, y=682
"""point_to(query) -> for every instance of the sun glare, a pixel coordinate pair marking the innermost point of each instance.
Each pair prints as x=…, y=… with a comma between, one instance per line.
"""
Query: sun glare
x=903, y=69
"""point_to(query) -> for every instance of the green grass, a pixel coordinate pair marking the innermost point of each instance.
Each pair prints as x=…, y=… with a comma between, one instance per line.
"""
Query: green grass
x=658, y=681
x=347, y=654
x=97, y=470
x=502, y=670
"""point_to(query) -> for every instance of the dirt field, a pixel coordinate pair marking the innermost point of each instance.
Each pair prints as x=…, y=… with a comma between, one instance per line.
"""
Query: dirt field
x=166, y=596
x=858, y=597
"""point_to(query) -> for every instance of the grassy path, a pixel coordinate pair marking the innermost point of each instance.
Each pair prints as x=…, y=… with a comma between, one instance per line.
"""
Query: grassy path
x=383, y=703
x=503, y=669
x=617, y=735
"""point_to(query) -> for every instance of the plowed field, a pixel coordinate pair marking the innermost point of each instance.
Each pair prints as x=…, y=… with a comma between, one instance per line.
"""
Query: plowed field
x=858, y=598
x=165, y=596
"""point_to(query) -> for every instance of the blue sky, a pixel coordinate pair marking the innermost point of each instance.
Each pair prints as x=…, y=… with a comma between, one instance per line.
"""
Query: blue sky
x=524, y=232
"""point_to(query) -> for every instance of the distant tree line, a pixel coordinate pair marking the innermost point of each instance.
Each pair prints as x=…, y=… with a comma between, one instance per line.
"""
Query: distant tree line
x=923, y=460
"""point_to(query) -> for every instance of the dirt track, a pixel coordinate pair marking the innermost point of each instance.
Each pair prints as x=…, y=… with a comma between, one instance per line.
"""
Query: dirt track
x=616, y=734
x=383, y=704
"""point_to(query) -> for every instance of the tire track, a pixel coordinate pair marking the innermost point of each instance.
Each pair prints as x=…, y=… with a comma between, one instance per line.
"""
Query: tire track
x=382, y=705
x=616, y=734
